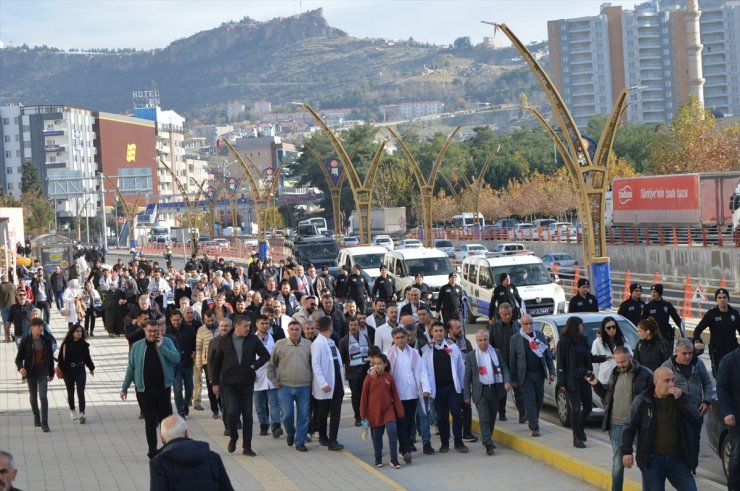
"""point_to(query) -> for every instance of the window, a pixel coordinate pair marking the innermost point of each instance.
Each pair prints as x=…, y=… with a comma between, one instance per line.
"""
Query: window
x=484, y=279
x=17, y=153
x=6, y=121
x=9, y=170
x=8, y=154
x=10, y=186
x=17, y=138
x=7, y=138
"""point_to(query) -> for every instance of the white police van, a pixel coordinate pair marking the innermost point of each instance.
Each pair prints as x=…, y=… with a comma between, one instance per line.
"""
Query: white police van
x=404, y=264
x=369, y=258
x=480, y=275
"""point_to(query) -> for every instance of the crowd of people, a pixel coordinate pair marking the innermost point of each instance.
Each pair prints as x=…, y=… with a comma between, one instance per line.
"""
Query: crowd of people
x=286, y=342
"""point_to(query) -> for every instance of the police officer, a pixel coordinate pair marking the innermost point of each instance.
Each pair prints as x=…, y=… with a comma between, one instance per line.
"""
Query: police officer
x=662, y=311
x=449, y=302
x=384, y=287
x=631, y=309
x=426, y=291
x=505, y=292
x=584, y=301
x=357, y=288
x=723, y=322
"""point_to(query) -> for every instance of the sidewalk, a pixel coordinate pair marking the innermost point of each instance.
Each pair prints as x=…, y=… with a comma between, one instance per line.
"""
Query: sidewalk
x=109, y=452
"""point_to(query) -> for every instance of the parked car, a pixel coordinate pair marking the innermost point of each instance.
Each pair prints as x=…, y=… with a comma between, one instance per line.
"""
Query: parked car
x=222, y=243
x=718, y=435
x=350, y=241
x=505, y=224
x=466, y=250
x=565, y=262
x=384, y=241
x=409, y=244
x=566, y=230
x=444, y=245
x=552, y=326
x=510, y=249
x=522, y=231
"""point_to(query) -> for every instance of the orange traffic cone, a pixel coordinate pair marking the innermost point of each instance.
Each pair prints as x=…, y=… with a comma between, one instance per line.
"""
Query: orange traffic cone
x=656, y=278
x=627, y=278
x=687, y=298
x=723, y=282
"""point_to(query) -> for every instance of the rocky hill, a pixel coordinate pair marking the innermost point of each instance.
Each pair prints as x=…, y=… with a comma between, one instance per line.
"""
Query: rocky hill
x=299, y=58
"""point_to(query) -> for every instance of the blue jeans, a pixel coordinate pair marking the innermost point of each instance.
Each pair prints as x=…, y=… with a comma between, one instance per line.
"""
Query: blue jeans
x=615, y=435
x=377, y=433
x=58, y=299
x=183, y=378
x=422, y=416
x=261, y=399
x=671, y=467
x=301, y=397
x=733, y=482
x=448, y=401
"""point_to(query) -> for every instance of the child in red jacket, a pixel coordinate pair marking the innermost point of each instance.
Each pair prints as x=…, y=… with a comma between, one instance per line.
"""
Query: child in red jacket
x=380, y=405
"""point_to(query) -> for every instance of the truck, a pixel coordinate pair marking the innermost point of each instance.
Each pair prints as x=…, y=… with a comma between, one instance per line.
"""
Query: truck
x=388, y=221
x=708, y=199
x=160, y=232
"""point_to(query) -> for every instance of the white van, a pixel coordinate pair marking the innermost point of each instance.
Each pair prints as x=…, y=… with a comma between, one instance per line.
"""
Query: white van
x=368, y=257
x=403, y=265
x=480, y=275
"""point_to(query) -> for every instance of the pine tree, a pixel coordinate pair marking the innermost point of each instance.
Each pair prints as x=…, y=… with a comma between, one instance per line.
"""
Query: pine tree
x=30, y=181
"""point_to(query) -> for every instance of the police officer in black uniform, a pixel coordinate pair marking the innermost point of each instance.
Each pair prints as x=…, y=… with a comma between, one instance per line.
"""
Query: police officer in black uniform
x=662, y=311
x=505, y=292
x=357, y=287
x=426, y=291
x=584, y=301
x=631, y=309
x=340, y=291
x=449, y=302
x=384, y=287
x=723, y=322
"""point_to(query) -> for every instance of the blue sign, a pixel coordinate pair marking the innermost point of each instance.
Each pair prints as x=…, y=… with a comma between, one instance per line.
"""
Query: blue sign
x=263, y=250
x=335, y=167
x=601, y=281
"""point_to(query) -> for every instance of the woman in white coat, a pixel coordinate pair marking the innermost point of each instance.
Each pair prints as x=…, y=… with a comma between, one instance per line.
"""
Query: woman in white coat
x=602, y=349
x=71, y=298
x=327, y=386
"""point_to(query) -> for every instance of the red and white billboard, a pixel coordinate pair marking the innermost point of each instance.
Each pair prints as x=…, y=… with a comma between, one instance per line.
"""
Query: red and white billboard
x=657, y=199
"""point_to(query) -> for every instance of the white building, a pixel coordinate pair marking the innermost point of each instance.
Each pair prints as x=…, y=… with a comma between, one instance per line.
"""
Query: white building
x=720, y=36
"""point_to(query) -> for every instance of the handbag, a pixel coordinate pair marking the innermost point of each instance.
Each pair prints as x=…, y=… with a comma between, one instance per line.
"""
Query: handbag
x=65, y=312
x=58, y=370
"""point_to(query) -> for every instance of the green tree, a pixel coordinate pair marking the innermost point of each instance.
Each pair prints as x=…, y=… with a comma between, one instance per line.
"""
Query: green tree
x=30, y=181
x=463, y=43
x=38, y=213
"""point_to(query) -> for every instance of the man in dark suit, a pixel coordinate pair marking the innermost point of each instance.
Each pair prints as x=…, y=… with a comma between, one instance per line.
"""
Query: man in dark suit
x=486, y=381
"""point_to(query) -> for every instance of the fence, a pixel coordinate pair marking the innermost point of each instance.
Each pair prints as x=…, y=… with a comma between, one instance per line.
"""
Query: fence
x=236, y=249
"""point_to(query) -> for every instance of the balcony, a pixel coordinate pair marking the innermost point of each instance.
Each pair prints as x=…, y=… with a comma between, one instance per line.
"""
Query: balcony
x=52, y=131
x=55, y=148
x=56, y=165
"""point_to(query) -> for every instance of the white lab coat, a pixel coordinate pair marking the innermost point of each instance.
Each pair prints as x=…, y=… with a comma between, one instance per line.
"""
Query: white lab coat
x=457, y=363
x=322, y=365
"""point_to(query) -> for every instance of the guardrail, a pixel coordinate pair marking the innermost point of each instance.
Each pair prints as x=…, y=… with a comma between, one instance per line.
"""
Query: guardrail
x=236, y=249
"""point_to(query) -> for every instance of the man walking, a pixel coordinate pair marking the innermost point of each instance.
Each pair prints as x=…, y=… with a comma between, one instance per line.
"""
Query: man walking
x=289, y=370
x=723, y=322
x=500, y=334
x=662, y=311
x=185, y=336
x=42, y=294
x=728, y=402
x=328, y=383
x=354, y=351
x=530, y=364
x=236, y=360
x=151, y=366
x=659, y=418
x=486, y=380
x=203, y=338
x=627, y=381
x=583, y=301
x=449, y=301
x=58, y=284
x=455, y=334
x=35, y=363
x=265, y=393
x=631, y=309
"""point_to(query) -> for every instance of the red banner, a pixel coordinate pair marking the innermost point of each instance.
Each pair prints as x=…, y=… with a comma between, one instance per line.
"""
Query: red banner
x=656, y=193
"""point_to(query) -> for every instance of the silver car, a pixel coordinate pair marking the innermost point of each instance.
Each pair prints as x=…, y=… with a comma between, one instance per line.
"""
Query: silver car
x=551, y=326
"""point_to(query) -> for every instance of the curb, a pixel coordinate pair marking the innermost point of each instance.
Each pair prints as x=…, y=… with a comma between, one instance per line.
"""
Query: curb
x=558, y=459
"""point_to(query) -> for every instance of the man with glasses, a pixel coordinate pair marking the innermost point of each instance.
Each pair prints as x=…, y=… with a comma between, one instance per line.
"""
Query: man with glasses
x=530, y=364
x=308, y=307
x=151, y=366
x=723, y=322
x=449, y=302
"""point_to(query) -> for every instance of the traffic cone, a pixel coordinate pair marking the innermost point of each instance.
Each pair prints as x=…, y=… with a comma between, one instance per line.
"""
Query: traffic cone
x=689, y=238
x=687, y=298
x=723, y=282
x=627, y=279
x=576, y=277
x=656, y=278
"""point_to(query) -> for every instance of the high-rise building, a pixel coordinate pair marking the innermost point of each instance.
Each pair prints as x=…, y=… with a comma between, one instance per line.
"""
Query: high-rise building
x=656, y=50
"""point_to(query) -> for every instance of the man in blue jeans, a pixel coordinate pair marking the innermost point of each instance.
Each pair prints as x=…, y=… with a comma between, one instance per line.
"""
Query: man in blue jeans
x=660, y=417
x=628, y=380
x=728, y=400
x=289, y=369
x=266, y=402
x=185, y=336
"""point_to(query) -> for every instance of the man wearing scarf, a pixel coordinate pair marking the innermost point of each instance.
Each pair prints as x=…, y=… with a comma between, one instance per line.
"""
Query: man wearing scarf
x=486, y=380
x=530, y=364
x=354, y=350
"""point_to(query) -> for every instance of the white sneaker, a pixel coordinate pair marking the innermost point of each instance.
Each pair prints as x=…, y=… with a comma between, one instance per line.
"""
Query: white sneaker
x=73, y=414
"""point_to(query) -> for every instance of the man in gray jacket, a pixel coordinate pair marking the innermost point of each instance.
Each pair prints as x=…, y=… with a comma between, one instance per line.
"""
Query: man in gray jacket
x=289, y=369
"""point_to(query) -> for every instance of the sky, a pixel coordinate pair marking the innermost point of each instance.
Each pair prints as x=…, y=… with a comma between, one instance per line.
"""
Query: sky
x=148, y=24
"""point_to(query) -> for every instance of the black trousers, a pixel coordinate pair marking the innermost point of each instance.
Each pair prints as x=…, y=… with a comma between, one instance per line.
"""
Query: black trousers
x=355, y=379
x=155, y=405
x=313, y=425
x=517, y=401
x=76, y=377
x=405, y=425
x=237, y=401
x=581, y=403
x=467, y=418
x=330, y=409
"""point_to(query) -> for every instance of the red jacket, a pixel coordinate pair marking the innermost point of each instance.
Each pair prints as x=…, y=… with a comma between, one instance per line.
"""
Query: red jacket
x=380, y=403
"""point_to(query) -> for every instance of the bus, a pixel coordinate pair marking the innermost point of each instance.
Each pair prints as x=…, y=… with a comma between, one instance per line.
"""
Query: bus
x=465, y=220
x=319, y=223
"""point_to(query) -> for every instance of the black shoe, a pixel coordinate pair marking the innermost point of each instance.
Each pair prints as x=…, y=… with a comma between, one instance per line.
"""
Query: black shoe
x=301, y=448
x=264, y=432
x=444, y=448
x=469, y=437
x=358, y=423
x=335, y=446
x=227, y=433
x=249, y=452
x=232, y=446
x=502, y=417
x=323, y=442
x=277, y=432
x=428, y=450
x=460, y=447
x=45, y=428
x=141, y=415
x=37, y=423
x=407, y=458
x=290, y=439
x=522, y=418
x=489, y=449
x=582, y=436
x=578, y=443
x=412, y=448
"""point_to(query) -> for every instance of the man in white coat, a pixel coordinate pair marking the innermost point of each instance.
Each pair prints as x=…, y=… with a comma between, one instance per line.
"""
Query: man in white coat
x=265, y=392
x=446, y=368
x=327, y=386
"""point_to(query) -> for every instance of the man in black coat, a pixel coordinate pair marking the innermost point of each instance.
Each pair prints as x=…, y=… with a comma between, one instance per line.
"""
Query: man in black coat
x=631, y=309
x=235, y=361
x=583, y=301
x=728, y=402
x=185, y=464
x=501, y=333
x=42, y=294
x=662, y=311
x=35, y=362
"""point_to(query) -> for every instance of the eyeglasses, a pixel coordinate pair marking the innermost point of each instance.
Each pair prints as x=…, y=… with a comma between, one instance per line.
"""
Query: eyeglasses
x=611, y=327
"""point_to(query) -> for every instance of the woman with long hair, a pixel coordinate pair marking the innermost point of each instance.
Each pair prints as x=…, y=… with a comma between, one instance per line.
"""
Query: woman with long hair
x=602, y=350
x=74, y=356
x=91, y=301
x=574, y=365
x=652, y=350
